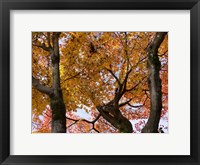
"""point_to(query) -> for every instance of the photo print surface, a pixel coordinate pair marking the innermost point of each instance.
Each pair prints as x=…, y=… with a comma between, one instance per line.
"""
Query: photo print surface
x=100, y=82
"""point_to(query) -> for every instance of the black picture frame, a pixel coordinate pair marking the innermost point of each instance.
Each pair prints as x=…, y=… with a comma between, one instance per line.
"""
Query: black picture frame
x=7, y=5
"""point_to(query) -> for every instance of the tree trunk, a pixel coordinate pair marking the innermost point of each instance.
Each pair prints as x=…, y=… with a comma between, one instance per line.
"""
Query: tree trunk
x=57, y=103
x=58, y=114
x=154, y=84
x=113, y=115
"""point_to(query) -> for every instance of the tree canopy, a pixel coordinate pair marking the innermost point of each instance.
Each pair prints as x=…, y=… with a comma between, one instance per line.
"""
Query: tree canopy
x=104, y=74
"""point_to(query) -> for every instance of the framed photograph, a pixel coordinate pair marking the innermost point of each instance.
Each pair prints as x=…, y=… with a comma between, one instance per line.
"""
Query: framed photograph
x=99, y=82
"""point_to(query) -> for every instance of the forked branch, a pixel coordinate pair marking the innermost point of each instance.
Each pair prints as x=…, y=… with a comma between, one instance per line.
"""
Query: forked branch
x=90, y=122
x=111, y=72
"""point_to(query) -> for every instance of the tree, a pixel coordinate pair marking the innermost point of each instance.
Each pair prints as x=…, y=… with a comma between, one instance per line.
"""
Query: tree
x=154, y=83
x=54, y=92
x=103, y=73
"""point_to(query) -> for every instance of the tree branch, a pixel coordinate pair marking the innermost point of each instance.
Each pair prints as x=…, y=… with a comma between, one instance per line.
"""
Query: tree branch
x=140, y=60
x=126, y=52
x=111, y=72
x=145, y=90
x=135, y=106
x=122, y=88
x=49, y=40
x=73, y=123
x=93, y=128
x=90, y=122
x=163, y=54
x=41, y=88
x=122, y=104
x=43, y=46
x=125, y=81
x=128, y=102
x=73, y=76
x=134, y=87
x=145, y=100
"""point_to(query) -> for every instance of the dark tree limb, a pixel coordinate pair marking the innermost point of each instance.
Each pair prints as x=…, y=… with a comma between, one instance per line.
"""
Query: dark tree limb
x=147, y=97
x=135, y=106
x=126, y=52
x=49, y=40
x=123, y=104
x=43, y=46
x=93, y=128
x=44, y=35
x=125, y=81
x=41, y=88
x=140, y=60
x=72, y=123
x=122, y=88
x=135, y=86
x=90, y=122
x=112, y=114
x=145, y=91
x=128, y=103
x=163, y=54
x=74, y=76
x=111, y=72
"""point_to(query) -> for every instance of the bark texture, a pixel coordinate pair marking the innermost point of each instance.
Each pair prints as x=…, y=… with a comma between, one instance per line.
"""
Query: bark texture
x=113, y=115
x=154, y=84
x=58, y=113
